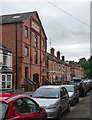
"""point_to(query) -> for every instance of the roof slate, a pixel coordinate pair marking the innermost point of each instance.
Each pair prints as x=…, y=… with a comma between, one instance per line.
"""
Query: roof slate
x=50, y=57
x=15, y=18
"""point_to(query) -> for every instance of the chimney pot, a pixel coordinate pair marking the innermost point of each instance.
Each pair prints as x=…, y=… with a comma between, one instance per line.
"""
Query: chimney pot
x=58, y=54
x=63, y=58
x=52, y=51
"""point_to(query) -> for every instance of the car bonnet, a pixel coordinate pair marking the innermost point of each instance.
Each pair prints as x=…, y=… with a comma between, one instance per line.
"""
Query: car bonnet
x=45, y=102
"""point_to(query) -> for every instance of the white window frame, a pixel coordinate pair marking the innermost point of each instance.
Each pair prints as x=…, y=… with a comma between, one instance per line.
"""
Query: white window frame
x=6, y=81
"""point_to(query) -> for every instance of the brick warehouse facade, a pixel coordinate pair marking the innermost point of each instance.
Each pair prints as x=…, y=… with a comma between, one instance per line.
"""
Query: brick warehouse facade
x=31, y=64
x=23, y=33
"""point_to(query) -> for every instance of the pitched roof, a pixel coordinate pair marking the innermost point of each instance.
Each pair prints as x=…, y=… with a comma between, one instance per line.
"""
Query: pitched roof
x=5, y=69
x=50, y=57
x=5, y=48
x=15, y=18
x=18, y=18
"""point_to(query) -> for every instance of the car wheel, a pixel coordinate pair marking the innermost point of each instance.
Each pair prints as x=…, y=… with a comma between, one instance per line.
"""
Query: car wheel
x=84, y=94
x=78, y=99
x=58, y=115
x=74, y=102
x=69, y=108
x=45, y=118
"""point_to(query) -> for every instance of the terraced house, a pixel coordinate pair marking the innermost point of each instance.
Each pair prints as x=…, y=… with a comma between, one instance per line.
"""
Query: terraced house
x=58, y=70
x=77, y=72
x=23, y=33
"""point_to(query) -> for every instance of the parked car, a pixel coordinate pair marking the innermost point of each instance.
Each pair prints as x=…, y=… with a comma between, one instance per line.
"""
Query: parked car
x=73, y=93
x=18, y=107
x=80, y=86
x=89, y=83
x=53, y=98
x=88, y=87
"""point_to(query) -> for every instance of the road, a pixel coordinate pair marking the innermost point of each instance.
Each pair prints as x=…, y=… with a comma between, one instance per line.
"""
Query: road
x=82, y=110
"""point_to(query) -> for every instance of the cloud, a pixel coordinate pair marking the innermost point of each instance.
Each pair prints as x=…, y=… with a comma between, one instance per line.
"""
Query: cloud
x=67, y=34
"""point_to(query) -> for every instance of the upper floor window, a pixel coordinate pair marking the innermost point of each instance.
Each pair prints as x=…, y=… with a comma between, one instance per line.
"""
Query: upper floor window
x=35, y=57
x=42, y=43
x=4, y=60
x=51, y=66
x=35, y=40
x=43, y=57
x=26, y=32
x=57, y=67
x=26, y=51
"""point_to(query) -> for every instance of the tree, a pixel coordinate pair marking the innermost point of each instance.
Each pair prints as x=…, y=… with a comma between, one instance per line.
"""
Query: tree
x=87, y=65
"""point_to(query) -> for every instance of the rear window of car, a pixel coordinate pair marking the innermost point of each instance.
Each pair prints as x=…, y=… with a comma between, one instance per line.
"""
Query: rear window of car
x=70, y=88
x=3, y=110
x=75, y=83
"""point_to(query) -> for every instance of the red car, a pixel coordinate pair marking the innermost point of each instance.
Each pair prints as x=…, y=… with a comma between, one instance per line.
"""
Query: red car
x=18, y=107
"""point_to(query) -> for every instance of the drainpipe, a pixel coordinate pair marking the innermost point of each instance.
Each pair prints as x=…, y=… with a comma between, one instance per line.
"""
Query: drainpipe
x=16, y=58
x=40, y=58
x=30, y=45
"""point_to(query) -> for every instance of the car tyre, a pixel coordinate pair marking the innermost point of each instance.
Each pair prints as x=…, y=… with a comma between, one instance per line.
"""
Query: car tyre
x=74, y=102
x=58, y=115
x=69, y=108
x=78, y=99
x=45, y=118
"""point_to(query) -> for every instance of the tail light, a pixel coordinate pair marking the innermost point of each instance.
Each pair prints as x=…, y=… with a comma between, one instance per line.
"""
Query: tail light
x=82, y=86
x=88, y=82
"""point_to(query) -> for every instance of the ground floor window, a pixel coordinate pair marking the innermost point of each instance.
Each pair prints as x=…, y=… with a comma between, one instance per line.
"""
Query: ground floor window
x=6, y=81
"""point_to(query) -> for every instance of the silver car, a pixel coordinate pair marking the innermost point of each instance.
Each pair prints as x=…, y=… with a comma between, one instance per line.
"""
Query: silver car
x=73, y=94
x=53, y=98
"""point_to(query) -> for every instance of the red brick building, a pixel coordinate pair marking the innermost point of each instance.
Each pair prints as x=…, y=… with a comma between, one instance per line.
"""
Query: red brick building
x=76, y=71
x=23, y=33
x=58, y=70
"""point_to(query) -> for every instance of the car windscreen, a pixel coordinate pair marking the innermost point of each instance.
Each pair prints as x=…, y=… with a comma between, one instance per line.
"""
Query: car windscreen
x=3, y=110
x=46, y=93
x=75, y=83
x=70, y=88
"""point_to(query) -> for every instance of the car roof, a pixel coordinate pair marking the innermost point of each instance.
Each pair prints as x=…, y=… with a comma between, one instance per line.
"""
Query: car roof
x=68, y=85
x=7, y=97
x=51, y=86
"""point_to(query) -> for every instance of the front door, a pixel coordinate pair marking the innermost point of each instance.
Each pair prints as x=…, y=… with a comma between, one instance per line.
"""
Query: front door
x=36, y=79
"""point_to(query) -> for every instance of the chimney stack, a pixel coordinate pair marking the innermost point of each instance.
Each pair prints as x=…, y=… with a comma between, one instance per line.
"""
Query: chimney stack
x=52, y=51
x=63, y=58
x=58, y=54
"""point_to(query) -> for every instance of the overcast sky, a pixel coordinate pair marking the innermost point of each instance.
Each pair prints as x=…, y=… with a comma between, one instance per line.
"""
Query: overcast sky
x=67, y=24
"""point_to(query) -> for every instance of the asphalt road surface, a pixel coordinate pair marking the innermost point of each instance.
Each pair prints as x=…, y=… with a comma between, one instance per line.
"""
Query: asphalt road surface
x=81, y=111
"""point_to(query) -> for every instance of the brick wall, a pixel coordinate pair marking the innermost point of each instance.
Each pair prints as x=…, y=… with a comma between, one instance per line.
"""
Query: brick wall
x=9, y=40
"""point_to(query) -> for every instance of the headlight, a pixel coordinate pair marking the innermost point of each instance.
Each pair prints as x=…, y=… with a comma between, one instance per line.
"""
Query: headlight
x=51, y=106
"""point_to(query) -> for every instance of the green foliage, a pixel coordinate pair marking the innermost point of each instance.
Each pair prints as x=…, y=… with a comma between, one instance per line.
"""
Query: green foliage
x=87, y=65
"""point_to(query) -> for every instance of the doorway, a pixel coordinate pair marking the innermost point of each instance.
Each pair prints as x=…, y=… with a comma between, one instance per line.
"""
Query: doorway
x=36, y=79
